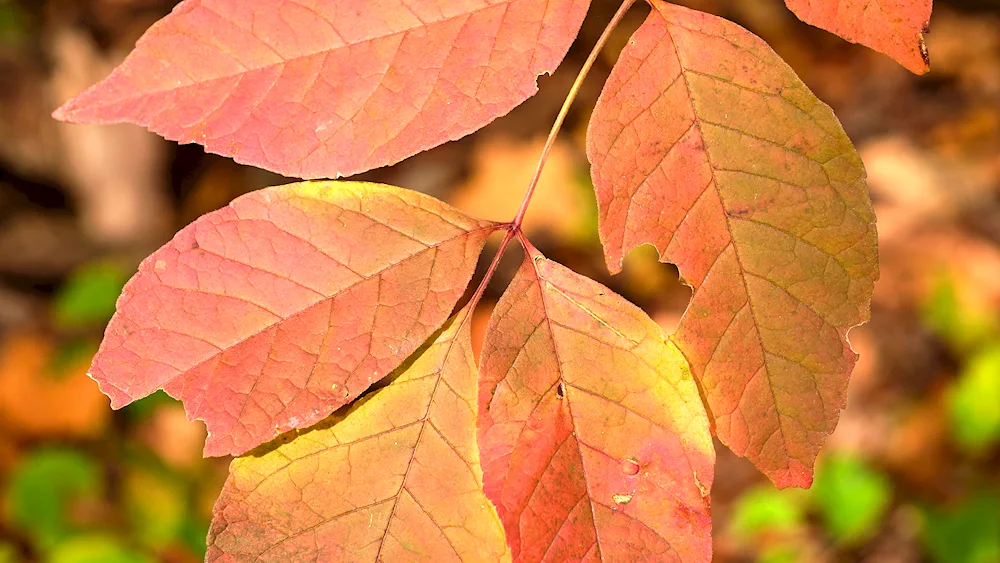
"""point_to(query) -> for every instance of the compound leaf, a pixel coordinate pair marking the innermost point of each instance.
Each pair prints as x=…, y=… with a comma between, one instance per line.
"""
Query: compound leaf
x=893, y=27
x=394, y=478
x=595, y=444
x=705, y=144
x=324, y=88
x=270, y=313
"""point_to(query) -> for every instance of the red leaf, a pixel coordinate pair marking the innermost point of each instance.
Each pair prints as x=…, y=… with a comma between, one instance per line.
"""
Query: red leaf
x=272, y=312
x=594, y=441
x=332, y=87
x=706, y=145
x=395, y=478
x=893, y=27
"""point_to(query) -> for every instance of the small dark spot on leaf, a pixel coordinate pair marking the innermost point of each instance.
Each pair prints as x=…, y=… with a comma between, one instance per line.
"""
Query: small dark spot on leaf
x=560, y=391
x=195, y=245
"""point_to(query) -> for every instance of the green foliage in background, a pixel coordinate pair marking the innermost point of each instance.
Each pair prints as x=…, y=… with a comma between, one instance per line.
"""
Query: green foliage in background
x=146, y=406
x=13, y=27
x=851, y=497
x=8, y=553
x=43, y=490
x=56, y=499
x=96, y=549
x=88, y=297
x=963, y=328
x=765, y=509
x=770, y=519
x=974, y=401
x=970, y=533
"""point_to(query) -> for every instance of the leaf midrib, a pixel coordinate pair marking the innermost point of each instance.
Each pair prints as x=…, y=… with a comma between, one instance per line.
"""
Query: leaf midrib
x=284, y=61
x=279, y=320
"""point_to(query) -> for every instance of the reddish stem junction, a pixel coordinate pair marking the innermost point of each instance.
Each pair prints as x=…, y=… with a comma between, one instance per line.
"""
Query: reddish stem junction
x=513, y=228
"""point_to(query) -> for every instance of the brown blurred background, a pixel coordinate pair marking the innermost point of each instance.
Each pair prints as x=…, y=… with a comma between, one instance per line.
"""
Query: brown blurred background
x=912, y=473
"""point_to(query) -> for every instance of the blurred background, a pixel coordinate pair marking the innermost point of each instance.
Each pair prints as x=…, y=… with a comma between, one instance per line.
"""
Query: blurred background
x=911, y=474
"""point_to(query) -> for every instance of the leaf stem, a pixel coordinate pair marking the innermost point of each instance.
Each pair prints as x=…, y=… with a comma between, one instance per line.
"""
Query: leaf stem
x=514, y=227
x=577, y=84
x=488, y=276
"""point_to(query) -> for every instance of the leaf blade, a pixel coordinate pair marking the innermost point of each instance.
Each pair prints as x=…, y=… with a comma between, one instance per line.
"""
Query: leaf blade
x=335, y=88
x=272, y=312
x=707, y=146
x=590, y=426
x=401, y=465
x=894, y=28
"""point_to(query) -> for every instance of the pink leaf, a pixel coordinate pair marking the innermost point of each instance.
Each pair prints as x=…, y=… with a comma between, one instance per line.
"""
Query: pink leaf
x=269, y=314
x=893, y=27
x=328, y=88
x=705, y=144
x=594, y=441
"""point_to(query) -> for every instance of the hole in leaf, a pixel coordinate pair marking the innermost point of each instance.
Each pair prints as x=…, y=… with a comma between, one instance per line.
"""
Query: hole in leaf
x=653, y=285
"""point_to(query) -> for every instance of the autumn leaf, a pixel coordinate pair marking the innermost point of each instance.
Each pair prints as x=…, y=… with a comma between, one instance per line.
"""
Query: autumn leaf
x=270, y=313
x=594, y=442
x=706, y=145
x=394, y=478
x=324, y=89
x=893, y=27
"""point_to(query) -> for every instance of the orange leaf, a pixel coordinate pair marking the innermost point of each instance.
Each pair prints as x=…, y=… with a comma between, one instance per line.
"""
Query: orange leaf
x=269, y=314
x=705, y=144
x=332, y=88
x=394, y=478
x=594, y=442
x=893, y=27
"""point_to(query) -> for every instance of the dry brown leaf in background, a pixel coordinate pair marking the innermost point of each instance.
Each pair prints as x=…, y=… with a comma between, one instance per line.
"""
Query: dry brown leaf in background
x=913, y=266
x=923, y=202
x=28, y=144
x=116, y=172
x=917, y=445
x=220, y=183
x=907, y=183
x=865, y=423
x=34, y=401
x=967, y=46
x=173, y=437
x=39, y=244
x=501, y=170
x=18, y=309
x=973, y=134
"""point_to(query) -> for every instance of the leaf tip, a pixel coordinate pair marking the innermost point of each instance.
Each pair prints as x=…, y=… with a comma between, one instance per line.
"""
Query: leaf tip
x=924, y=55
x=64, y=112
x=614, y=260
x=796, y=475
x=71, y=111
x=119, y=398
